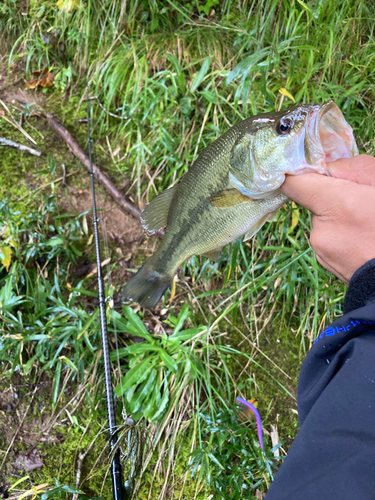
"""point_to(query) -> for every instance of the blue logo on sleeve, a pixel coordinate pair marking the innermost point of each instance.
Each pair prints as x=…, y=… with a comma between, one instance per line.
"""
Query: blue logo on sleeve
x=333, y=330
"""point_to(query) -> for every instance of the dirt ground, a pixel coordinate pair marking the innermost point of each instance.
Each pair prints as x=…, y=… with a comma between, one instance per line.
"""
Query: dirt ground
x=28, y=424
x=120, y=227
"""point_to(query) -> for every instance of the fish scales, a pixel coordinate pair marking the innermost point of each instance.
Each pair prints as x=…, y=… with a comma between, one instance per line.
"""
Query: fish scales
x=233, y=188
x=196, y=215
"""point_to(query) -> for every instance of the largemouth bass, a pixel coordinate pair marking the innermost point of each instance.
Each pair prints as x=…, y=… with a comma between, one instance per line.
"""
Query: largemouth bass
x=233, y=188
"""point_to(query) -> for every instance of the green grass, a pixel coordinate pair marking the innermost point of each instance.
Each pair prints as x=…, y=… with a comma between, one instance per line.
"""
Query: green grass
x=178, y=75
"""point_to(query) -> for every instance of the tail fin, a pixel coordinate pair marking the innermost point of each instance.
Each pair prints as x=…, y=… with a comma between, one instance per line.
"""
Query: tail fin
x=147, y=286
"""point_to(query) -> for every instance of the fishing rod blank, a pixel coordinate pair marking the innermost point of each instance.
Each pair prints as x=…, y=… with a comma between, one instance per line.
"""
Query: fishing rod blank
x=115, y=465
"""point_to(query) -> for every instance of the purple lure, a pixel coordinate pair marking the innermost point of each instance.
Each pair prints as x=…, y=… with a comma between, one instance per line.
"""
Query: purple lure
x=257, y=416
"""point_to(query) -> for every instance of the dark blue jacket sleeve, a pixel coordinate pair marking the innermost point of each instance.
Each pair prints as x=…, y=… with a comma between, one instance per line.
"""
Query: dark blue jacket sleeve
x=333, y=455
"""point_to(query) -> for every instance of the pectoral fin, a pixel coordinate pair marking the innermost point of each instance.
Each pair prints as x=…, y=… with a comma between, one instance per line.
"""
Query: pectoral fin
x=213, y=254
x=155, y=214
x=228, y=198
x=255, y=228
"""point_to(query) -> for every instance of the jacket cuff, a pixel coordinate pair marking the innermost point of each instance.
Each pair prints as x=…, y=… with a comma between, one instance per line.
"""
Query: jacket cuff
x=361, y=289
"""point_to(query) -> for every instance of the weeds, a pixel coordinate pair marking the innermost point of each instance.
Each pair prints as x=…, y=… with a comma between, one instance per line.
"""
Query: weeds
x=179, y=74
x=230, y=460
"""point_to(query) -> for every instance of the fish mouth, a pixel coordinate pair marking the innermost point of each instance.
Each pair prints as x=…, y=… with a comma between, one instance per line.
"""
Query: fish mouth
x=329, y=137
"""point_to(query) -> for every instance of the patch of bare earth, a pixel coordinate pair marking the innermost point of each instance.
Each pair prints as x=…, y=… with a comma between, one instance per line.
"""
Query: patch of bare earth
x=118, y=229
x=25, y=420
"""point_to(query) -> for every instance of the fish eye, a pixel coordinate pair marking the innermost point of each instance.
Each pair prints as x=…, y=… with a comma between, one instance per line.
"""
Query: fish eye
x=284, y=127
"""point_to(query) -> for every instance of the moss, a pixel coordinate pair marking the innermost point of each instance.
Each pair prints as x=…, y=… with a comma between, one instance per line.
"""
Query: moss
x=177, y=477
x=285, y=352
x=15, y=166
x=60, y=460
x=274, y=404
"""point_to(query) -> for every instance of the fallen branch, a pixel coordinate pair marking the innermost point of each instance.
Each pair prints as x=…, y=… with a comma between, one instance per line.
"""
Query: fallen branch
x=7, y=142
x=83, y=158
x=14, y=123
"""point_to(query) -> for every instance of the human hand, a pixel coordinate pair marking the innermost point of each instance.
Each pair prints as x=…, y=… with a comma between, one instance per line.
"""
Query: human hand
x=343, y=213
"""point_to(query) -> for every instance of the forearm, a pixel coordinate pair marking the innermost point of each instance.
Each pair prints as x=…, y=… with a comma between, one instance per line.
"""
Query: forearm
x=333, y=455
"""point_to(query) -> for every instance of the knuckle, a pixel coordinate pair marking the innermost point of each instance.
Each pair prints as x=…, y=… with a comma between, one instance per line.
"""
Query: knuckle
x=368, y=161
x=315, y=240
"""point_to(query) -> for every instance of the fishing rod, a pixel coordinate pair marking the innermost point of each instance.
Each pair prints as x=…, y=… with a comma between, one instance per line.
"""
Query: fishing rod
x=118, y=492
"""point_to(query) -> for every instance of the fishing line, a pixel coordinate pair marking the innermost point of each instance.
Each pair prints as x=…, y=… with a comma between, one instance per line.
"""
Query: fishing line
x=117, y=488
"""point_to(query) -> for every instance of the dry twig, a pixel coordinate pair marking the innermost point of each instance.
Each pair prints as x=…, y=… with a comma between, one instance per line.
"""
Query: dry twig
x=106, y=111
x=7, y=142
x=82, y=157
x=13, y=122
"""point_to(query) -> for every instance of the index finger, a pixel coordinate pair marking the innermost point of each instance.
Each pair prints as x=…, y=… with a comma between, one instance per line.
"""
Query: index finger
x=360, y=169
x=313, y=191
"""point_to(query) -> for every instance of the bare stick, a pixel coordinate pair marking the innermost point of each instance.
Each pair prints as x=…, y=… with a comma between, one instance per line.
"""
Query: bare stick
x=108, y=112
x=14, y=123
x=82, y=157
x=7, y=142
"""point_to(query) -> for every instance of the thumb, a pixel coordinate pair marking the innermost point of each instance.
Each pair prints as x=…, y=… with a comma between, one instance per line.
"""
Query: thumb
x=359, y=169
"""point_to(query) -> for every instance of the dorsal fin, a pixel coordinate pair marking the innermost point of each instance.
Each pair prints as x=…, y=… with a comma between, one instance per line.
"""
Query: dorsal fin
x=154, y=216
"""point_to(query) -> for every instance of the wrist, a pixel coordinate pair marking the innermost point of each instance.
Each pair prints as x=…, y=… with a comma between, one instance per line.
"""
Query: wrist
x=361, y=289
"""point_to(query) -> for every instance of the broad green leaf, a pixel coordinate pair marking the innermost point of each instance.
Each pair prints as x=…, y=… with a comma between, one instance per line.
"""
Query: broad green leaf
x=210, y=96
x=145, y=391
x=201, y=74
x=184, y=313
x=119, y=353
x=137, y=374
x=29, y=364
x=130, y=392
x=149, y=408
x=136, y=323
x=55, y=242
x=162, y=405
x=187, y=334
x=168, y=361
x=174, y=61
x=138, y=348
